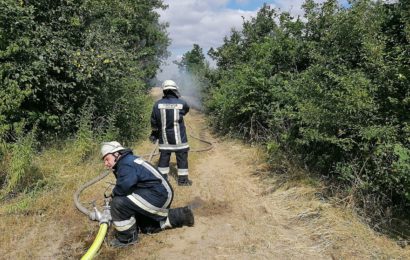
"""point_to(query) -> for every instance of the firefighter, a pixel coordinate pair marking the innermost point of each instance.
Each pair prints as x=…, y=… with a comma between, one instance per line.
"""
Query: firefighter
x=141, y=198
x=167, y=123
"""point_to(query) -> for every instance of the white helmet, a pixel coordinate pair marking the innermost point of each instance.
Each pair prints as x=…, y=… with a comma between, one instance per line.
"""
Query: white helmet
x=110, y=147
x=169, y=84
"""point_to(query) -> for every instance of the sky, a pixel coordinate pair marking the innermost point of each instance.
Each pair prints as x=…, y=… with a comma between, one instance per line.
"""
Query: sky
x=206, y=22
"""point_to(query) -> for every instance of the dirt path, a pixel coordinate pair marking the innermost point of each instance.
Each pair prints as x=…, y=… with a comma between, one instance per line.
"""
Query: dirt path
x=239, y=215
x=241, y=212
x=233, y=220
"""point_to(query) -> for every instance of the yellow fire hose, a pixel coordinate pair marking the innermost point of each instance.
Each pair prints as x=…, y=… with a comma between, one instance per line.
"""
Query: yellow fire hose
x=96, y=215
x=97, y=242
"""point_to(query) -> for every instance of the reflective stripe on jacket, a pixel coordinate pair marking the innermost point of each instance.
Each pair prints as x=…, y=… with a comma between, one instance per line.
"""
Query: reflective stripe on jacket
x=168, y=119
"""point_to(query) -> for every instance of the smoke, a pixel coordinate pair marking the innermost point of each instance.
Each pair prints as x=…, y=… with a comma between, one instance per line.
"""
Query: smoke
x=189, y=85
x=191, y=90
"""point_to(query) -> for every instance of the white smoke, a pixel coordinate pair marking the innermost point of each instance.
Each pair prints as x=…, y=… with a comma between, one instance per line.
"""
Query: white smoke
x=189, y=86
x=190, y=89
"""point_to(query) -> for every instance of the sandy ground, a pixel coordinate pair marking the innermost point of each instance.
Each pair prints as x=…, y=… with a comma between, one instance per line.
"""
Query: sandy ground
x=241, y=212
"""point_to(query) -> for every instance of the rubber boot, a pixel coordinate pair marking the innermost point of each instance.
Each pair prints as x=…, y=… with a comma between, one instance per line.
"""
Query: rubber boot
x=124, y=239
x=149, y=226
x=181, y=217
x=184, y=181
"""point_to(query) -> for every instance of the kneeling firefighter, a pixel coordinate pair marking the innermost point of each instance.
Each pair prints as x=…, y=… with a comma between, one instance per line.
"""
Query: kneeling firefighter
x=141, y=198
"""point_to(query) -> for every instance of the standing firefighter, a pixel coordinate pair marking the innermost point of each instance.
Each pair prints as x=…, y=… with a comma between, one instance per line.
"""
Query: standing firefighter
x=167, y=122
x=141, y=198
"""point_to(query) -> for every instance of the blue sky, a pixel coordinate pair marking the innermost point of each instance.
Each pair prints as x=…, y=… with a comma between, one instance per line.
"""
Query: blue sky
x=246, y=5
x=256, y=4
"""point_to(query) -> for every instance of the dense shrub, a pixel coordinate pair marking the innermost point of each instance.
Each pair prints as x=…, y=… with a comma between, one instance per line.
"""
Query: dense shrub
x=54, y=55
x=332, y=88
x=74, y=68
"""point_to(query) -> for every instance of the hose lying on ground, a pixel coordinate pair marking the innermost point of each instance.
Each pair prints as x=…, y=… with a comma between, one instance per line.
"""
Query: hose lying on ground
x=83, y=187
x=92, y=215
x=207, y=148
x=97, y=242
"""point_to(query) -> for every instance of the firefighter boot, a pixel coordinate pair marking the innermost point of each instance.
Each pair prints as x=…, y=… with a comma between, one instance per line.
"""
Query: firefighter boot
x=184, y=181
x=124, y=240
x=181, y=217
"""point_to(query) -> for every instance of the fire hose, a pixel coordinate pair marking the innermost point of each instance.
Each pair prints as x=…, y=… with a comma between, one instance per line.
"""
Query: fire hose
x=104, y=217
x=203, y=149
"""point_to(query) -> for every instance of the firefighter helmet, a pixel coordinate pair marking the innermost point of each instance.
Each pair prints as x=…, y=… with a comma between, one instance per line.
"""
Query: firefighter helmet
x=110, y=147
x=169, y=84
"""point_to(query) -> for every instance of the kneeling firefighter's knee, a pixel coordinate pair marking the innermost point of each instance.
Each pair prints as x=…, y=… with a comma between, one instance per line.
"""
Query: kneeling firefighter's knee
x=117, y=204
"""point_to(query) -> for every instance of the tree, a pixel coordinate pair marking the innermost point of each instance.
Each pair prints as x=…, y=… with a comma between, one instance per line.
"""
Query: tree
x=192, y=61
x=55, y=55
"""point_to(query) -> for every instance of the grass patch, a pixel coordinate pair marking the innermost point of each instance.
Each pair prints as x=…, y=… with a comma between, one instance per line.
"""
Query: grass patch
x=18, y=164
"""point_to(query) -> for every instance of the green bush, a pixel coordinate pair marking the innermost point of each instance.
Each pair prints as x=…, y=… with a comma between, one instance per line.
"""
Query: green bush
x=332, y=89
x=58, y=56
x=55, y=55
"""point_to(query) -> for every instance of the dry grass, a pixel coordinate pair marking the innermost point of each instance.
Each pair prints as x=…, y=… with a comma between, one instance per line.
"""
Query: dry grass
x=242, y=212
x=334, y=231
x=43, y=222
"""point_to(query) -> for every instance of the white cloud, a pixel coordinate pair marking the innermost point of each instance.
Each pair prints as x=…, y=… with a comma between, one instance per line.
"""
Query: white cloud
x=201, y=22
x=207, y=23
x=294, y=7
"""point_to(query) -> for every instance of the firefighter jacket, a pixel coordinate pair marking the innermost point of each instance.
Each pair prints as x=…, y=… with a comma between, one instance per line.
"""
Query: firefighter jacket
x=167, y=122
x=139, y=179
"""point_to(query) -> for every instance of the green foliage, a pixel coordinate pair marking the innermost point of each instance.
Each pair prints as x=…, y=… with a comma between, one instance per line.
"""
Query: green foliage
x=108, y=130
x=84, y=140
x=20, y=171
x=133, y=113
x=248, y=92
x=192, y=61
x=332, y=89
x=4, y=158
x=194, y=70
x=401, y=168
x=73, y=68
x=21, y=207
x=60, y=53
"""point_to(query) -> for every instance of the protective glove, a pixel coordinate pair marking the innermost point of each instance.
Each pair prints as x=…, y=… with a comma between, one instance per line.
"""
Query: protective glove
x=153, y=137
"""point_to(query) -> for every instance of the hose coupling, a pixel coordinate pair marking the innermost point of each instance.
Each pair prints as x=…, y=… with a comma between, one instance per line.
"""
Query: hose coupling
x=106, y=214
